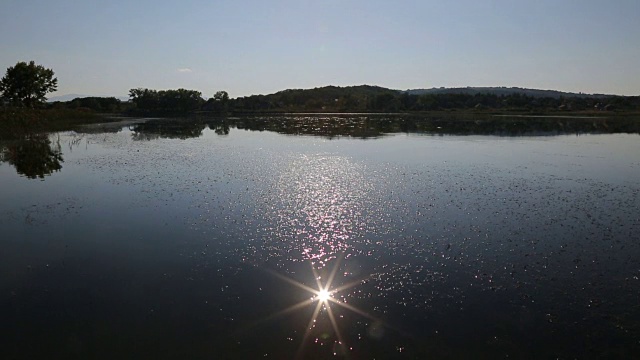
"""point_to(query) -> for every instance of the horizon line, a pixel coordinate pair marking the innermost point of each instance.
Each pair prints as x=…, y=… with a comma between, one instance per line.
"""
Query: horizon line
x=379, y=86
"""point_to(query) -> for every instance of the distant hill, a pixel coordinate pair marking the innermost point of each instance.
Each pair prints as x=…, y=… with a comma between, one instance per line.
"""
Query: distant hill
x=330, y=93
x=69, y=97
x=368, y=98
x=365, y=98
x=537, y=93
x=326, y=98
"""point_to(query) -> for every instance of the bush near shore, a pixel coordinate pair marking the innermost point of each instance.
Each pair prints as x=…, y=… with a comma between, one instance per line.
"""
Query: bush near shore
x=16, y=122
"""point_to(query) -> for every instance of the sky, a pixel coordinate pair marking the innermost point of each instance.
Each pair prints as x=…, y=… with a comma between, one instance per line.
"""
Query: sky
x=246, y=47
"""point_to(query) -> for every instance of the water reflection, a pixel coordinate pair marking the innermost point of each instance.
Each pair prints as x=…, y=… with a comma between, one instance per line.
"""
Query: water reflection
x=168, y=129
x=471, y=256
x=373, y=126
x=220, y=126
x=34, y=155
x=319, y=207
x=325, y=294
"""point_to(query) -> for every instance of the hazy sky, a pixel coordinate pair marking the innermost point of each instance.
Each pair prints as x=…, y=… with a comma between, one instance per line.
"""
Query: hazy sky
x=248, y=47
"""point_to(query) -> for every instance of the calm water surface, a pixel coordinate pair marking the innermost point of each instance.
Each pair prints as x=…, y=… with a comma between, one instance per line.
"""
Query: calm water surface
x=212, y=241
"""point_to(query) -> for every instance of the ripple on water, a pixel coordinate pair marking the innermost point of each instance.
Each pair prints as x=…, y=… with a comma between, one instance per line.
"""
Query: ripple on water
x=437, y=238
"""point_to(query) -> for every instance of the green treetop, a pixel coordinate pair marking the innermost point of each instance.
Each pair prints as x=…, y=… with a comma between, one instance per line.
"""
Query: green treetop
x=27, y=84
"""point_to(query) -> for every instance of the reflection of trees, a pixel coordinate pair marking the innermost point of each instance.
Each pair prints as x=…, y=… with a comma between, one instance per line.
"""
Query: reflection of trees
x=100, y=128
x=219, y=126
x=366, y=126
x=33, y=156
x=169, y=129
x=326, y=126
x=371, y=126
x=528, y=126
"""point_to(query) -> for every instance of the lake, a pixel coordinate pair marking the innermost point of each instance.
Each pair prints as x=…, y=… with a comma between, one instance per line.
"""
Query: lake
x=323, y=236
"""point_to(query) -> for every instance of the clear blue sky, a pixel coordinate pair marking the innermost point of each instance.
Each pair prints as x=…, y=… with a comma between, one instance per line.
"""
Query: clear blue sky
x=248, y=47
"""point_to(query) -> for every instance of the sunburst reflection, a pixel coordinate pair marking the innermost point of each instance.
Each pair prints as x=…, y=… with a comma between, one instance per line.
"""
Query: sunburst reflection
x=319, y=207
x=323, y=297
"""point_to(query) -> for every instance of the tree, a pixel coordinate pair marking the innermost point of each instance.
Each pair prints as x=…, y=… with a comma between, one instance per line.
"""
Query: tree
x=145, y=99
x=218, y=103
x=221, y=98
x=166, y=101
x=180, y=101
x=27, y=84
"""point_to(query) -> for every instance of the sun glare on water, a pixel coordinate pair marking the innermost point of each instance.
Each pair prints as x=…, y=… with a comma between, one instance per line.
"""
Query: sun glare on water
x=323, y=300
x=323, y=296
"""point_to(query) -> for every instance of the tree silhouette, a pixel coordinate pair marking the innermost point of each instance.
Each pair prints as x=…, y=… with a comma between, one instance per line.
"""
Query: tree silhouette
x=27, y=84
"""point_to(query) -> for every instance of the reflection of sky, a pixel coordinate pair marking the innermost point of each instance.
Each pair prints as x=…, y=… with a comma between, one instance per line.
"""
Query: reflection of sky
x=445, y=230
x=320, y=205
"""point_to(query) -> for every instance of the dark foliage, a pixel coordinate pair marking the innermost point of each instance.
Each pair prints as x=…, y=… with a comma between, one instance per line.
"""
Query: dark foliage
x=16, y=123
x=376, y=99
x=98, y=104
x=27, y=84
x=180, y=101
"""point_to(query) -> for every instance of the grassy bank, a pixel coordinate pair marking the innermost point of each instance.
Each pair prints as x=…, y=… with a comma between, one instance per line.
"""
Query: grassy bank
x=16, y=122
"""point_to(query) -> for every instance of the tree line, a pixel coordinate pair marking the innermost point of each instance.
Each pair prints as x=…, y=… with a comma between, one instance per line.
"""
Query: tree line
x=376, y=99
x=352, y=99
x=26, y=85
x=372, y=99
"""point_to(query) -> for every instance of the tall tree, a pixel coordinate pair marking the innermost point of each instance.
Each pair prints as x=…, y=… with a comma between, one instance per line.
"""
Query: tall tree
x=220, y=100
x=221, y=96
x=145, y=99
x=166, y=101
x=27, y=84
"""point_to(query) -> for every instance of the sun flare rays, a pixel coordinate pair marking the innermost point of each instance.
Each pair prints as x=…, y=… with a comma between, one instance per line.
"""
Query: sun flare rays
x=324, y=296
